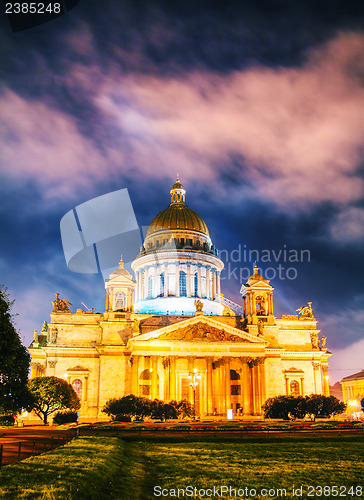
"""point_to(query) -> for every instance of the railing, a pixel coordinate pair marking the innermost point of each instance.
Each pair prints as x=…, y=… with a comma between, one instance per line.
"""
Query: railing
x=15, y=450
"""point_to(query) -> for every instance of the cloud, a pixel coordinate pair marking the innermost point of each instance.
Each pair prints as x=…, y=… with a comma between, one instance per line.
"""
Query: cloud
x=296, y=131
x=38, y=141
x=290, y=136
x=348, y=227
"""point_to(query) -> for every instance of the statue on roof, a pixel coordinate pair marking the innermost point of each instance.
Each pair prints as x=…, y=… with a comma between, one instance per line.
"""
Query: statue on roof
x=198, y=305
x=306, y=311
x=60, y=305
x=323, y=342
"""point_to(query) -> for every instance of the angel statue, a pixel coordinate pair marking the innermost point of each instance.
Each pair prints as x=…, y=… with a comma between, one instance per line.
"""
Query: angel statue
x=60, y=305
x=198, y=305
x=305, y=311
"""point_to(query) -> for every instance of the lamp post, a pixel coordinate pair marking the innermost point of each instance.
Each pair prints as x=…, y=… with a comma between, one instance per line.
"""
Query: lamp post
x=194, y=377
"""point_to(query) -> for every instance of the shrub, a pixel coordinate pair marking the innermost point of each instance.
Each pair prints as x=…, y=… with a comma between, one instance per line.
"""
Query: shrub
x=122, y=418
x=6, y=420
x=65, y=417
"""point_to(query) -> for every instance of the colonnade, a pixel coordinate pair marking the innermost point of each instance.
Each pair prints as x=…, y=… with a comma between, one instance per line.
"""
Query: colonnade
x=210, y=275
x=170, y=382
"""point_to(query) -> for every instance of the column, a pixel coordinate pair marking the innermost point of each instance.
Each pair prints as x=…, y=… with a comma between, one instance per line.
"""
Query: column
x=246, y=388
x=257, y=408
x=166, y=280
x=156, y=282
x=178, y=268
x=135, y=375
x=217, y=387
x=209, y=406
x=251, y=388
x=227, y=384
x=140, y=284
x=188, y=278
x=326, y=380
x=172, y=368
x=191, y=364
x=208, y=286
x=218, y=286
x=223, y=386
x=145, y=283
x=263, y=395
x=303, y=388
x=154, y=392
x=199, y=281
x=166, y=380
x=107, y=307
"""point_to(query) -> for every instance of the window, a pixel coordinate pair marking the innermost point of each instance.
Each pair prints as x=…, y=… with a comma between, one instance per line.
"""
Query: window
x=120, y=303
x=77, y=387
x=182, y=284
x=161, y=284
x=150, y=287
x=294, y=387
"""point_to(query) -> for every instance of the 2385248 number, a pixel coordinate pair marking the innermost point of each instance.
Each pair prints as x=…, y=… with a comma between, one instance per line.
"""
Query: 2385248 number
x=33, y=8
x=334, y=491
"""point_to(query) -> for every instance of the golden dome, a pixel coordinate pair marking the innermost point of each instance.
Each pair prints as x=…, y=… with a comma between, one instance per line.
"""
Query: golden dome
x=178, y=215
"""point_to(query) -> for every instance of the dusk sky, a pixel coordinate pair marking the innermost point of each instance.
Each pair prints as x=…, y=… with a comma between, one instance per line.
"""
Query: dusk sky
x=259, y=106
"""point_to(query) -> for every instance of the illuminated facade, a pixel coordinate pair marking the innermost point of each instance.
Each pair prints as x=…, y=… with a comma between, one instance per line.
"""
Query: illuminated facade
x=172, y=320
x=353, y=391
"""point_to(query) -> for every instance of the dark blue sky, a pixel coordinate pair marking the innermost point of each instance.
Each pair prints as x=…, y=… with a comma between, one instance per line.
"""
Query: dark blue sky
x=258, y=105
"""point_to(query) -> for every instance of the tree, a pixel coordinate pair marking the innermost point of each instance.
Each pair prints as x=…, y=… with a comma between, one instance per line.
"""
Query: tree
x=130, y=405
x=14, y=362
x=282, y=407
x=162, y=411
x=50, y=394
x=184, y=408
x=323, y=406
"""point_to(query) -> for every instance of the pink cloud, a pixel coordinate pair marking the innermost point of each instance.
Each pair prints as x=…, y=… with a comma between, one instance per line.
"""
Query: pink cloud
x=349, y=225
x=298, y=130
x=38, y=141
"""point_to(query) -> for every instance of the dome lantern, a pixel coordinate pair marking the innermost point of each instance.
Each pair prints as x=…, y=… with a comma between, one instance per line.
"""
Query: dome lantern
x=178, y=193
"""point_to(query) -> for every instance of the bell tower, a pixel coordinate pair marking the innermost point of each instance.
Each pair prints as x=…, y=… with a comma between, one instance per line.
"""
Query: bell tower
x=120, y=290
x=257, y=296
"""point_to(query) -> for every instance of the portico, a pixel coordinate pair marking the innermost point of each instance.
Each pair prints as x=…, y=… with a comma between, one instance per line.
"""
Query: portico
x=229, y=361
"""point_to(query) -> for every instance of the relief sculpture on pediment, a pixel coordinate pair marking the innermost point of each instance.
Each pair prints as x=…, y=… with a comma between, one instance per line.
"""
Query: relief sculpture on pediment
x=200, y=333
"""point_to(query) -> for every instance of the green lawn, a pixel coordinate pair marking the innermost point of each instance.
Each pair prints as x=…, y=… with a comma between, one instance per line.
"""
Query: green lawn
x=130, y=468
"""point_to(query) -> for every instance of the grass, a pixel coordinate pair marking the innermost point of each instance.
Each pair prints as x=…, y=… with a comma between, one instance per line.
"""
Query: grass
x=128, y=468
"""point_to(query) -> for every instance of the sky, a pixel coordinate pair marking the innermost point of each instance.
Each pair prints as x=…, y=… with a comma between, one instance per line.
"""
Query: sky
x=259, y=106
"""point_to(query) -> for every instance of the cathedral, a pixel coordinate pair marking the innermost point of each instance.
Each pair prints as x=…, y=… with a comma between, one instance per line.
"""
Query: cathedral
x=171, y=334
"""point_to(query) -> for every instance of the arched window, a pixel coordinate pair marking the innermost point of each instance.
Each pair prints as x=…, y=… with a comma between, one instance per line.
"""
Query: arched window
x=196, y=284
x=77, y=387
x=182, y=284
x=235, y=383
x=150, y=287
x=161, y=284
x=120, y=303
x=294, y=388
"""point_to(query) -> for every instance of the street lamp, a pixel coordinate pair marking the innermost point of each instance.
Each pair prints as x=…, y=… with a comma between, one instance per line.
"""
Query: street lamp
x=194, y=377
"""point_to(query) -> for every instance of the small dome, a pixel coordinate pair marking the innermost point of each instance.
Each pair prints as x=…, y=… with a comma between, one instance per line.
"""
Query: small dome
x=177, y=185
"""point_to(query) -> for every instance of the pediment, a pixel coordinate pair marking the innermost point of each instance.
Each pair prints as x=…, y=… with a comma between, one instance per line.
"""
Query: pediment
x=77, y=368
x=199, y=329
